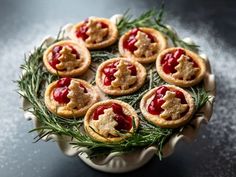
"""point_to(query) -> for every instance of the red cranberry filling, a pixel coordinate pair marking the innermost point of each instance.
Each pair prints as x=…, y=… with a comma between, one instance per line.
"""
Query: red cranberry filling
x=81, y=31
x=64, y=82
x=83, y=87
x=169, y=61
x=61, y=91
x=110, y=70
x=73, y=51
x=54, y=62
x=180, y=95
x=56, y=54
x=155, y=105
x=60, y=95
x=103, y=25
x=124, y=121
x=129, y=43
x=133, y=70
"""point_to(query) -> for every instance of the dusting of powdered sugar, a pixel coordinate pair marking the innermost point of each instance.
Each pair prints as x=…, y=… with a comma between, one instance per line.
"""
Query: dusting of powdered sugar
x=221, y=130
x=13, y=127
x=218, y=136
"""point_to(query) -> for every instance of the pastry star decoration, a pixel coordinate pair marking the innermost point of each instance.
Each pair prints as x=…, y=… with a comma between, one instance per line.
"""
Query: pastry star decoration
x=78, y=99
x=68, y=60
x=185, y=69
x=172, y=106
x=144, y=45
x=95, y=31
x=123, y=78
x=105, y=125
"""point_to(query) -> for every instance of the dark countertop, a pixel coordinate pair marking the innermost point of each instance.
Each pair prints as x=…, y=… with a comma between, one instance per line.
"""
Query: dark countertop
x=210, y=23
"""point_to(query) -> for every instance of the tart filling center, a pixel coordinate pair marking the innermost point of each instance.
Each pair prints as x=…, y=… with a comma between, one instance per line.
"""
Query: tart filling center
x=140, y=43
x=71, y=93
x=64, y=58
x=120, y=75
x=180, y=65
x=168, y=104
x=110, y=119
x=92, y=31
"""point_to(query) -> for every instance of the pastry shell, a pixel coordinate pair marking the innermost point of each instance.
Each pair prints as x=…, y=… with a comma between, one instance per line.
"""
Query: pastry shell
x=141, y=76
x=182, y=83
x=80, y=48
x=61, y=109
x=159, y=38
x=97, y=137
x=156, y=120
x=110, y=39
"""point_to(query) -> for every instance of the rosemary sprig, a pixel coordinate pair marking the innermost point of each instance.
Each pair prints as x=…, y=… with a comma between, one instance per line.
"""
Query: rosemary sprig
x=99, y=56
x=128, y=23
x=174, y=37
x=32, y=86
x=200, y=96
x=153, y=19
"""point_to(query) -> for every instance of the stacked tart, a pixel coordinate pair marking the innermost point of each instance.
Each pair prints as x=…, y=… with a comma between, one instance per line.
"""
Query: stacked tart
x=111, y=120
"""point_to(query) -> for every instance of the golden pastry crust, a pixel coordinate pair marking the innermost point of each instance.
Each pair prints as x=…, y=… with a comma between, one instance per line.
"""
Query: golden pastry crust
x=156, y=119
x=159, y=38
x=85, y=59
x=62, y=109
x=128, y=110
x=141, y=76
x=182, y=83
x=110, y=39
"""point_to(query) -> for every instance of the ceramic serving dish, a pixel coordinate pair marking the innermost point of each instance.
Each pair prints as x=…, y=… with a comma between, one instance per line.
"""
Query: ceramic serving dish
x=116, y=162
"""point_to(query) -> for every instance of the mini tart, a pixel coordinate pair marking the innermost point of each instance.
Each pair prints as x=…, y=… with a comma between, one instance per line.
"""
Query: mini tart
x=142, y=44
x=97, y=33
x=167, y=106
x=69, y=97
x=67, y=58
x=110, y=121
x=180, y=67
x=120, y=76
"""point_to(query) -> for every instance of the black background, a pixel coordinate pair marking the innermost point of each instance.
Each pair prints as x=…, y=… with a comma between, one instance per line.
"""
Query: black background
x=24, y=23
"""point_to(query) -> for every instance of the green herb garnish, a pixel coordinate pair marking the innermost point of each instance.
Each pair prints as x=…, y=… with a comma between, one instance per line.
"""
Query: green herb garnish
x=154, y=19
x=33, y=82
